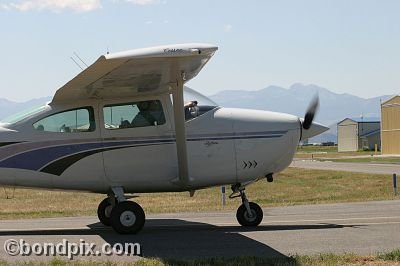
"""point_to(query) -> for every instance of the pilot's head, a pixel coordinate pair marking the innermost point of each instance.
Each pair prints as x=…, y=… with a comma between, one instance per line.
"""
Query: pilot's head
x=143, y=106
x=154, y=106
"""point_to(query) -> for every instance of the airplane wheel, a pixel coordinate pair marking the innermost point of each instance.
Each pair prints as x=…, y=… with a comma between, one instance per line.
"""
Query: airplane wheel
x=243, y=216
x=104, y=211
x=127, y=217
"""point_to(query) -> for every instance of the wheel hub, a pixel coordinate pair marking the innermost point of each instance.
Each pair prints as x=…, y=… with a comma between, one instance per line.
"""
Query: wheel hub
x=251, y=218
x=107, y=211
x=127, y=218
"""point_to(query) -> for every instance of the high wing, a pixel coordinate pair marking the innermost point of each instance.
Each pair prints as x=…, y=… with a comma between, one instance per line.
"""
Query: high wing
x=155, y=70
x=142, y=71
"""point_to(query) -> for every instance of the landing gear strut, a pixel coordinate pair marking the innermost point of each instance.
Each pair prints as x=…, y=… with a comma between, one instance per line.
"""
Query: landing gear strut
x=249, y=213
x=125, y=217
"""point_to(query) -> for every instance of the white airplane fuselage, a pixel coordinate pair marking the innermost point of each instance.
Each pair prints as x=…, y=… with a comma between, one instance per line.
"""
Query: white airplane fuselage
x=127, y=124
x=224, y=145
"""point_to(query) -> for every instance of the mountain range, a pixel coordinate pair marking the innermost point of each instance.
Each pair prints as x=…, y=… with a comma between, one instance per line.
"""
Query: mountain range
x=294, y=100
x=8, y=107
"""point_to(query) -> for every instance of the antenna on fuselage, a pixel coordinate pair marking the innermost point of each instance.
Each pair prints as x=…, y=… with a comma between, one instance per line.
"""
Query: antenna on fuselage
x=80, y=59
x=76, y=63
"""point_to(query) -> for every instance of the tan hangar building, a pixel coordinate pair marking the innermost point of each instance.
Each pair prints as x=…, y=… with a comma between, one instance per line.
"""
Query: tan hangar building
x=355, y=134
x=390, y=130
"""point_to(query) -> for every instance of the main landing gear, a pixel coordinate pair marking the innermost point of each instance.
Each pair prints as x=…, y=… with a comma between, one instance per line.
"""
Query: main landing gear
x=125, y=217
x=249, y=213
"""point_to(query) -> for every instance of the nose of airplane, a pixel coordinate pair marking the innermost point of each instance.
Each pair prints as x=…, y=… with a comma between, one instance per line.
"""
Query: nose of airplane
x=3, y=128
x=314, y=130
x=6, y=134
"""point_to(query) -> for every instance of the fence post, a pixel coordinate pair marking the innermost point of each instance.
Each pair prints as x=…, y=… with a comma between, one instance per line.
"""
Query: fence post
x=223, y=196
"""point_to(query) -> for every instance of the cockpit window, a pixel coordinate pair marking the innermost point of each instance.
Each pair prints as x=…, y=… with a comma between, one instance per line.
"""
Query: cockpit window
x=196, y=104
x=132, y=115
x=72, y=121
x=15, y=118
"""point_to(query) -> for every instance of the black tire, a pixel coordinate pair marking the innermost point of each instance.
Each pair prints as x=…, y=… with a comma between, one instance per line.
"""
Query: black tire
x=243, y=217
x=127, y=218
x=104, y=211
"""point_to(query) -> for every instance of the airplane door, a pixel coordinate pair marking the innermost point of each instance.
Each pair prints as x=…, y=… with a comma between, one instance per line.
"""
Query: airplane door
x=139, y=151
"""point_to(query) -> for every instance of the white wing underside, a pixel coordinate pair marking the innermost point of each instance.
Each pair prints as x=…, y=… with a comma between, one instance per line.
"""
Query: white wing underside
x=135, y=72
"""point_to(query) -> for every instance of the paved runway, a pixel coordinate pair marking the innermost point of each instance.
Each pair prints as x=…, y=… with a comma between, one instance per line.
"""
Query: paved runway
x=348, y=167
x=363, y=228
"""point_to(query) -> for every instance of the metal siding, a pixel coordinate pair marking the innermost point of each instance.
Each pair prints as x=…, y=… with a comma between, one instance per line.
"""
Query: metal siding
x=391, y=142
x=347, y=136
x=372, y=140
x=365, y=128
x=368, y=127
x=391, y=126
x=391, y=118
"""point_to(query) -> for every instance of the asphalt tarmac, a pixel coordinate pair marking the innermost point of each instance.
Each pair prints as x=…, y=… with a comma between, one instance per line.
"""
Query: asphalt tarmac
x=388, y=169
x=362, y=228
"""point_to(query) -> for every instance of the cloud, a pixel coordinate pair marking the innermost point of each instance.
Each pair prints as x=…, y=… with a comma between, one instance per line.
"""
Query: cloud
x=53, y=5
x=4, y=6
x=143, y=2
x=74, y=5
x=228, y=28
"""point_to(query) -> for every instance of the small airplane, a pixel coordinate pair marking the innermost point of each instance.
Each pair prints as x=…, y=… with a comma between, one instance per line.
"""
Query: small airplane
x=127, y=125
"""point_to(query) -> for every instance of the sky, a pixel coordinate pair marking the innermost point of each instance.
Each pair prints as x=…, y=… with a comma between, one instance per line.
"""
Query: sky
x=347, y=46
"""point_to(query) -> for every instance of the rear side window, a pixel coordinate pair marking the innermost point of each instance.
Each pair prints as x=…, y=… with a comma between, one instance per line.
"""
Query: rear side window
x=133, y=115
x=72, y=121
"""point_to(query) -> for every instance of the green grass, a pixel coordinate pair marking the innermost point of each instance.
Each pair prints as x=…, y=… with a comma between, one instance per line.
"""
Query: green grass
x=315, y=149
x=372, y=159
x=321, y=152
x=390, y=258
x=291, y=187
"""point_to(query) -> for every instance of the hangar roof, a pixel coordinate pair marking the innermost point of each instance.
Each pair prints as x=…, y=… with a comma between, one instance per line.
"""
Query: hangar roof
x=371, y=133
x=393, y=100
x=362, y=120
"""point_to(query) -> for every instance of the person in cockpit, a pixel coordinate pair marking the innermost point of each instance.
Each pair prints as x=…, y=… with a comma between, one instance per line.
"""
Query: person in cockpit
x=189, y=107
x=150, y=114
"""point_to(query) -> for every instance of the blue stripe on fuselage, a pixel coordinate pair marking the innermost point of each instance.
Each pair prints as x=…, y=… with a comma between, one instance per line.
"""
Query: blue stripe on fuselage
x=39, y=158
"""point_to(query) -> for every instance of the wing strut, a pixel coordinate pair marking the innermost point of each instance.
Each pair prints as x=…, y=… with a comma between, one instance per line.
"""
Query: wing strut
x=180, y=133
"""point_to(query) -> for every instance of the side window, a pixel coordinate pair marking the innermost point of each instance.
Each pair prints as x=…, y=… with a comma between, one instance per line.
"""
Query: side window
x=72, y=121
x=131, y=115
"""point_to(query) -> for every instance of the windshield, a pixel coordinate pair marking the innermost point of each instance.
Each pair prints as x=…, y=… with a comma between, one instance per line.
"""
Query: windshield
x=15, y=118
x=192, y=95
x=196, y=104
